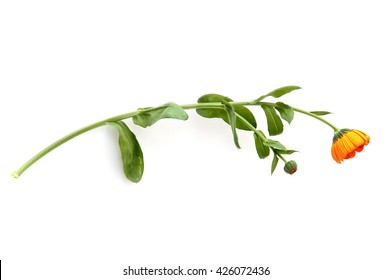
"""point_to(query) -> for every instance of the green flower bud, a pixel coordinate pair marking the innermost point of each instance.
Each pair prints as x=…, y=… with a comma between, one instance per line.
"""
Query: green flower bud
x=290, y=167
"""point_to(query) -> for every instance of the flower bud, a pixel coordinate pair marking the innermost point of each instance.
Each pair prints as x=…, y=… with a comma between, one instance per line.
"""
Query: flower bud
x=290, y=167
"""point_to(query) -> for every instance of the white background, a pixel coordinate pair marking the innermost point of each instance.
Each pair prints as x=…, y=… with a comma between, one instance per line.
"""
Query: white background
x=202, y=203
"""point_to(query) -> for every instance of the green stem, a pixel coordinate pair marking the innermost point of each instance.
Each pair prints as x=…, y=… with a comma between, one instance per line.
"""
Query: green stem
x=279, y=155
x=316, y=117
x=252, y=103
x=68, y=137
x=82, y=130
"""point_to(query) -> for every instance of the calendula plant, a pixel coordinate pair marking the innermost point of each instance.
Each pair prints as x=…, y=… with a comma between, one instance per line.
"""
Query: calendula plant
x=346, y=142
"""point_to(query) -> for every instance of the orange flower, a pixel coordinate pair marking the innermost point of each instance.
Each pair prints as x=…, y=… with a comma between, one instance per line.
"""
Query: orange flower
x=346, y=142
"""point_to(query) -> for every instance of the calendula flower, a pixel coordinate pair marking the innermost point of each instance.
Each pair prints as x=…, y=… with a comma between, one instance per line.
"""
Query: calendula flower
x=346, y=142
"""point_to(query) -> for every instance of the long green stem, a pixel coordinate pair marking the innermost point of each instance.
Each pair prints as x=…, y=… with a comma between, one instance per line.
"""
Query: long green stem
x=316, y=117
x=66, y=138
x=82, y=130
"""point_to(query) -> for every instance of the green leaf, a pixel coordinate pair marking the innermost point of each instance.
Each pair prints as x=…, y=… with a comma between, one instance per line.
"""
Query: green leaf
x=278, y=92
x=246, y=114
x=274, y=144
x=213, y=97
x=262, y=150
x=275, y=125
x=131, y=153
x=274, y=163
x=287, y=152
x=232, y=120
x=320, y=113
x=167, y=111
x=221, y=112
x=285, y=111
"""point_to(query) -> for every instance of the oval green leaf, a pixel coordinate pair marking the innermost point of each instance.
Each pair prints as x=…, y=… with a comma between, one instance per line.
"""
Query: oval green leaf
x=262, y=150
x=274, y=163
x=246, y=114
x=131, y=152
x=218, y=112
x=275, y=125
x=285, y=111
x=287, y=152
x=221, y=113
x=213, y=97
x=167, y=111
x=274, y=144
x=320, y=113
